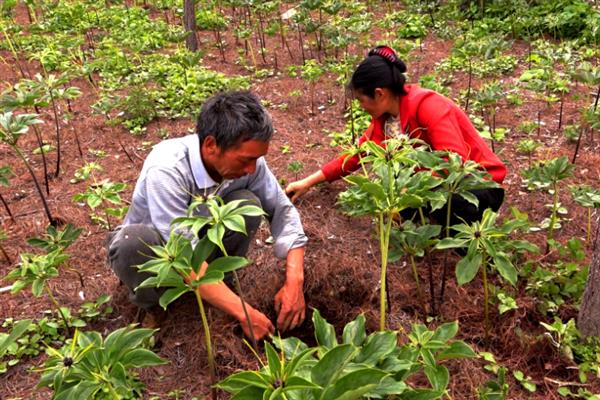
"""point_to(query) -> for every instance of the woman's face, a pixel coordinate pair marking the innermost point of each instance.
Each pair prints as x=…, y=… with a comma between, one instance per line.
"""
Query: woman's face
x=377, y=105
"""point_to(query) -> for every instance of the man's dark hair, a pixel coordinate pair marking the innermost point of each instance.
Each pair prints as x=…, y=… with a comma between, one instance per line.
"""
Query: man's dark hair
x=232, y=118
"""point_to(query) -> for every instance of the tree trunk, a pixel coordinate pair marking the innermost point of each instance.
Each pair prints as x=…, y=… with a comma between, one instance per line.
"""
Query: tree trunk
x=588, y=320
x=189, y=23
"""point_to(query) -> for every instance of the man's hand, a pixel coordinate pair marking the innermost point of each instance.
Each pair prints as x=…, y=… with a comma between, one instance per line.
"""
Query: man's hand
x=261, y=325
x=290, y=306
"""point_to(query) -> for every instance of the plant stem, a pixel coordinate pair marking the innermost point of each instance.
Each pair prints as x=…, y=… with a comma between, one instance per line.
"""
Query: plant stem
x=57, y=307
x=51, y=220
x=589, y=225
x=57, y=125
x=384, y=237
x=238, y=287
x=445, y=269
x=554, y=211
x=211, y=361
x=485, y=298
x=5, y=204
x=5, y=254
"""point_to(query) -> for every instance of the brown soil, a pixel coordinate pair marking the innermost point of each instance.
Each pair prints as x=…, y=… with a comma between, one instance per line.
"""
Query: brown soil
x=341, y=262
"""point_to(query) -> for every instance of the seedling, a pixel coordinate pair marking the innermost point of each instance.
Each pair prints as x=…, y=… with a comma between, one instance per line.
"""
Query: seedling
x=359, y=366
x=546, y=176
x=89, y=366
x=12, y=127
x=487, y=246
x=101, y=195
x=8, y=340
x=295, y=167
x=392, y=184
x=587, y=197
x=177, y=264
x=5, y=173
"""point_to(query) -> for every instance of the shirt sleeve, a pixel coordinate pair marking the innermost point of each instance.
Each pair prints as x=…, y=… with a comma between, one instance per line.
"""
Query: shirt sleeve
x=167, y=198
x=344, y=164
x=286, y=227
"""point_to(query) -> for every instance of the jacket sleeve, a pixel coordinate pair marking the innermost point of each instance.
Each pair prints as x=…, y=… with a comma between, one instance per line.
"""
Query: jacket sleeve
x=282, y=215
x=344, y=164
x=443, y=128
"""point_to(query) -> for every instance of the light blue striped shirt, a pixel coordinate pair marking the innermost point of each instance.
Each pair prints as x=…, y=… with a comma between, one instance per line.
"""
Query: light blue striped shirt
x=174, y=173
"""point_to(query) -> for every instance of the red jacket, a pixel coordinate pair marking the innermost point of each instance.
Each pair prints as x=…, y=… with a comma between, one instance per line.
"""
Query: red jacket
x=444, y=126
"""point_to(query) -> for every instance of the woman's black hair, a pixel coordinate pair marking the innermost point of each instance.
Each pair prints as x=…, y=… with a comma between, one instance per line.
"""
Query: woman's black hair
x=381, y=69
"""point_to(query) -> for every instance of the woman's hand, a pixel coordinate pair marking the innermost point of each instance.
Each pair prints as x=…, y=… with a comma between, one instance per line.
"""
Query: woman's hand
x=296, y=189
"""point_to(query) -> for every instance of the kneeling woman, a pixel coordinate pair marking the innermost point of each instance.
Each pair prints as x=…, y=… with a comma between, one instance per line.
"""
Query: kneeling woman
x=379, y=85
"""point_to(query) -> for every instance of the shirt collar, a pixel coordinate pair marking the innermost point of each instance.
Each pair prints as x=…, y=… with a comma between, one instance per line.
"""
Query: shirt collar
x=201, y=176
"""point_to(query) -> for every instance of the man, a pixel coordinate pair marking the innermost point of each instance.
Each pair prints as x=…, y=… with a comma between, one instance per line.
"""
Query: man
x=226, y=158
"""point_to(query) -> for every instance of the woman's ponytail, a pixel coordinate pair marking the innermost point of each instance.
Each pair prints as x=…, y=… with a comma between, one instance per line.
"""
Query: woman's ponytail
x=381, y=69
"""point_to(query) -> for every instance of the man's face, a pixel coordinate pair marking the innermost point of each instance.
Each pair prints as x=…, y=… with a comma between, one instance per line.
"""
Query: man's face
x=234, y=162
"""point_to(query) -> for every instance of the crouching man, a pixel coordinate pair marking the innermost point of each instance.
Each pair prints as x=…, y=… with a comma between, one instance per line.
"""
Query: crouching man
x=226, y=158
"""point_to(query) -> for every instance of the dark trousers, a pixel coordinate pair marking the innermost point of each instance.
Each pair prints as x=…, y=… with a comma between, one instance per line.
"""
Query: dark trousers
x=461, y=210
x=128, y=247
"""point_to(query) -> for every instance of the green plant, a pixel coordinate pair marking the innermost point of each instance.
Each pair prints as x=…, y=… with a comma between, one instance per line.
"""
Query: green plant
x=98, y=308
x=104, y=193
x=5, y=173
x=311, y=71
x=525, y=381
x=101, y=368
x=295, y=167
x=487, y=246
x=85, y=172
x=587, y=197
x=528, y=147
x=55, y=239
x=9, y=339
x=358, y=367
x=35, y=271
x=12, y=127
x=182, y=266
x=547, y=175
x=391, y=185
x=494, y=389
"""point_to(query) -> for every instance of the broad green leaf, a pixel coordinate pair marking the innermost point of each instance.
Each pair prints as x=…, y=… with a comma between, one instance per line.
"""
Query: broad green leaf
x=446, y=331
x=438, y=376
x=17, y=330
x=324, y=331
x=458, y=349
x=354, y=385
x=450, y=243
x=332, y=364
x=377, y=347
x=172, y=294
x=297, y=383
x=273, y=361
x=467, y=268
x=354, y=332
x=235, y=223
x=249, y=393
x=228, y=264
x=506, y=268
x=248, y=378
x=139, y=358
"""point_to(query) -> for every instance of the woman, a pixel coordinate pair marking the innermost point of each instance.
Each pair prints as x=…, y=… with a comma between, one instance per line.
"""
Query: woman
x=396, y=109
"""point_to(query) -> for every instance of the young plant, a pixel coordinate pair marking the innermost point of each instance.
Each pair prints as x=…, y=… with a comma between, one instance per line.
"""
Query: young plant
x=413, y=241
x=588, y=197
x=94, y=367
x=547, y=176
x=102, y=194
x=295, y=167
x=458, y=179
x=528, y=147
x=35, y=271
x=311, y=71
x=5, y=173
x=487, y=246
x=391, y=185
x=12, y=127
x=177, y=264
x=358, y=367
x=52, y=86
x=9, y=339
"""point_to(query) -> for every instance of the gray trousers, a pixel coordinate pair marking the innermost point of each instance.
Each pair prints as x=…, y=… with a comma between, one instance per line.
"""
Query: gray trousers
x=128, y=247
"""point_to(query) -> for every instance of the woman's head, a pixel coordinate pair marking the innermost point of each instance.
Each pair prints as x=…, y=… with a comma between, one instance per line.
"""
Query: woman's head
x=381, y=69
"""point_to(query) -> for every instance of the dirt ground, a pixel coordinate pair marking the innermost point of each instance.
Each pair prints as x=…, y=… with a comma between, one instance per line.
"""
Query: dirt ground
x=341, y=263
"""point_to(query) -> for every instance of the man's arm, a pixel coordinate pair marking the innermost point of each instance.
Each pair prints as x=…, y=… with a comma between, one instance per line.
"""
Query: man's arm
x=289, y=301
x=219, y=295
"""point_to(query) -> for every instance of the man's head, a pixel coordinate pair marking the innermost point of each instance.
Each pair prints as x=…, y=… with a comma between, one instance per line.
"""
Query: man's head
x=234, y=131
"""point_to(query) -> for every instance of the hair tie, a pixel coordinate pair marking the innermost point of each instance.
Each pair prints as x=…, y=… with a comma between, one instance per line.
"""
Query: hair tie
x=389, y=55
